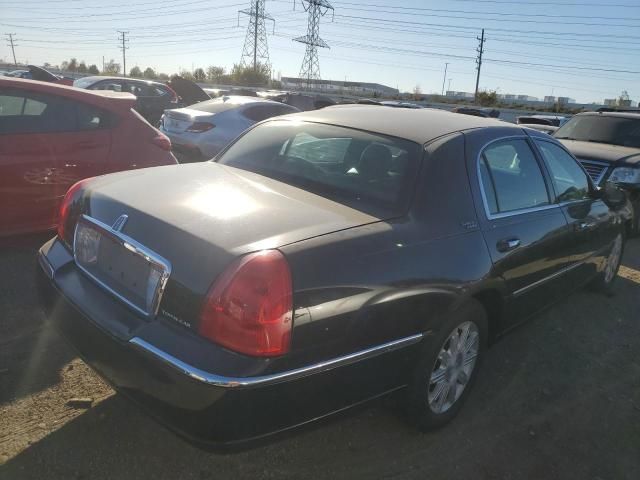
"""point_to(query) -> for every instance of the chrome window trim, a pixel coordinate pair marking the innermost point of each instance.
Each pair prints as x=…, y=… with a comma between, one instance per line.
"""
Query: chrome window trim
x=264, y=380
x=522, y=211
x=537, y=283
x=136, y=248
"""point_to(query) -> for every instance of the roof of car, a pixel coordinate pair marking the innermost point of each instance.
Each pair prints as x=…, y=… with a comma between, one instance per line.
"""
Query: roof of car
x=634, y=115
x=97, y=78
x=419, y=125
x=92, y=96
x=241, y=100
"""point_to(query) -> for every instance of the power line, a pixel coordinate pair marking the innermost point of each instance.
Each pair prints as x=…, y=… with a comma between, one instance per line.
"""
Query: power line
x=124, y=48
x=311, y=65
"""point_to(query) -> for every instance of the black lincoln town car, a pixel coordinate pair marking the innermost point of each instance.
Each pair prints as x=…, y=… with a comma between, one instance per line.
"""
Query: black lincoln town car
x=324, y=259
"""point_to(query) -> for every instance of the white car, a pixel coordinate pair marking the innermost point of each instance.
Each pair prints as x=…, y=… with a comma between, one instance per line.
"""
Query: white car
x=198, y=132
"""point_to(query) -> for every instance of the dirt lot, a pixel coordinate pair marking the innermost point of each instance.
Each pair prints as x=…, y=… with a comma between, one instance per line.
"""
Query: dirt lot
x=558, y=398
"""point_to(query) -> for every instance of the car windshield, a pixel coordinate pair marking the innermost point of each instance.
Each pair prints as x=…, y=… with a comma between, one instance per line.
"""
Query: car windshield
x=84, y=82
x=370, y=172
x=622, y=131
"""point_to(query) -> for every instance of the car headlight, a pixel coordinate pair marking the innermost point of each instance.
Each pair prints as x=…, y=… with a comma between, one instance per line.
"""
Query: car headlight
x=625, y=175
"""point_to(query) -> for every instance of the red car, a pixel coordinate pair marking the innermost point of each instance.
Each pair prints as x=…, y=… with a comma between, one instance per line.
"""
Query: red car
x=52, y=135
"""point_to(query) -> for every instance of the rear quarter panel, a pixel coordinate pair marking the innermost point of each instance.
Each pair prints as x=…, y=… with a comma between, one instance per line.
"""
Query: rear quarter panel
x=384, y=281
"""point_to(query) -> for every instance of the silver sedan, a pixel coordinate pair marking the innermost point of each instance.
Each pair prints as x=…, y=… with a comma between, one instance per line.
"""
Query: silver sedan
x=200, y=131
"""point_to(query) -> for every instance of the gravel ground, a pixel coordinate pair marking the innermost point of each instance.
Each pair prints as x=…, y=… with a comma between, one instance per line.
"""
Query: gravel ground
x=557, y=398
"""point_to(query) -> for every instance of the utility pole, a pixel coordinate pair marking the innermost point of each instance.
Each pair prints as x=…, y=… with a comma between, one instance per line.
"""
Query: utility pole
x=102, y=63
x=311, y=65
x=480, y=51
x=445, y=76
x=124, y=48
x=12, y=45
x=256, y=49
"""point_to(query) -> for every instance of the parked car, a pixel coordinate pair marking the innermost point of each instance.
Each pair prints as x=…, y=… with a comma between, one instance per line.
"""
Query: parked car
x=51, y=136
x=188, y=92
x=152, y=98
x=608, y=146
x=202, y=130
x=551, y=120
x=548, y=129
x=18, y=74
x=304, y=102
x=324, y=259
x=478, y=112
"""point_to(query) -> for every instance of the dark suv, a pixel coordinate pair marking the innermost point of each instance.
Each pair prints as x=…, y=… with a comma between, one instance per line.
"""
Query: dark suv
x=153, y=98
x=608, y=146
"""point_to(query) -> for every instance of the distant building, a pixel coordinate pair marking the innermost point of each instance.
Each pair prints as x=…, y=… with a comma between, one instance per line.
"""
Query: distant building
x=549, y=99
x=527, y=98
x=459, y=95
x=611, y=102
x=565, y=100
x=625, y=103
x=336, y=86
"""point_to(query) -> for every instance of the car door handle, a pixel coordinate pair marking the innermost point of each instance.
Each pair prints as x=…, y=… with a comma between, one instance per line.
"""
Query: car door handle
x=584, y=226
x=507, y=244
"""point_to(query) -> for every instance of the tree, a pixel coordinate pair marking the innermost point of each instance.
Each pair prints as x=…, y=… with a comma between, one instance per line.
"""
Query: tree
x=64, y=66
x=149, y=73
x=73, y=65
x=187, y=75
x=199, y=75
x=215, y=74
x=135, y=72
x=163, y=76
x=111, y=68
x=250, y=77
x=487, y=98
x=93, y=69
x=82, y=68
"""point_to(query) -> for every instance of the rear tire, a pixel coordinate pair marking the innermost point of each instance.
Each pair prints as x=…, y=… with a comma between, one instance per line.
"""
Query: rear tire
x=447, y=368
x=605, y=280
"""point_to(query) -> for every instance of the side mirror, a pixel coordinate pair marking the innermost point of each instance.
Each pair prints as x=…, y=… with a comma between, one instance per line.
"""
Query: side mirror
x=613, y=195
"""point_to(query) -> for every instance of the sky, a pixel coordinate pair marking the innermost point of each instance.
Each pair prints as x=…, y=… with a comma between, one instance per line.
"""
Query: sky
x=588, y=50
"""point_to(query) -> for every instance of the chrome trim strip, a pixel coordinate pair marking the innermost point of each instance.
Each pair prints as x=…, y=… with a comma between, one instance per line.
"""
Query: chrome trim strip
x=496, y=216
x=289, y=375
x=45, y=265
x=136, y=248
x=537, y=283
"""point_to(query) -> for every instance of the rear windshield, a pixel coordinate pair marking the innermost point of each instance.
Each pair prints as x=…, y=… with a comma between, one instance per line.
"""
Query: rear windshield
x=369, y=172
x=214, y=106
x=602, y=129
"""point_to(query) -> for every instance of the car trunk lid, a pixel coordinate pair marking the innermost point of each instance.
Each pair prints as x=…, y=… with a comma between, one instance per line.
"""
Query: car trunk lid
x=200, y=217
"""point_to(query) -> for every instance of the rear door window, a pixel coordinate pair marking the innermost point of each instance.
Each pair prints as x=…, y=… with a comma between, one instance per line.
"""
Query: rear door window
x=511, y=177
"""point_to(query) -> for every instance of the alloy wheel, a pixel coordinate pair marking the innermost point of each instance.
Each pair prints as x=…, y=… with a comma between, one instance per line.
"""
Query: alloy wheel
x=453, y=367
x=613, y=260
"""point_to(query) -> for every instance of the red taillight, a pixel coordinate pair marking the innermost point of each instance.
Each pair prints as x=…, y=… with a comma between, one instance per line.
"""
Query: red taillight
x=199, y=127
x=65, y=225
x=249, y=308
x=162, y=141
x=174, y=96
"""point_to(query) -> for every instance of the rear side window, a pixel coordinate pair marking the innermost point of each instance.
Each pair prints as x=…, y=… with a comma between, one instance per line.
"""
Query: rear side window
x=27, y=112
x=511, y=177
x=569, y=179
